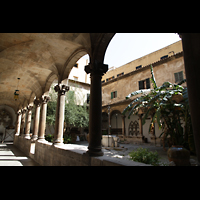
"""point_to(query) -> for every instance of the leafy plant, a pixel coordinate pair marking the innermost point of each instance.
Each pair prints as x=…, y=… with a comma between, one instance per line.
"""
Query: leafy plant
x=67, y=139
x=49, y=138
x=145, y=156
x=168, y=106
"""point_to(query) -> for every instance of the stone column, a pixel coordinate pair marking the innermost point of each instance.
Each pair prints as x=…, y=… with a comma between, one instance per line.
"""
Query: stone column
x=28, y=122
x=37, y=103
x=60, y=113
x=22, y=121
x=43, y=114
x=191, y=51
x=95, y=116
x=140, y=124
x=18, y=122
x=123, y=125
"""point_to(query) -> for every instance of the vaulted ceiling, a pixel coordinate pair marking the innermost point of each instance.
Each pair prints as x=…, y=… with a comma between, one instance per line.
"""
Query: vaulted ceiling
x=40, y=58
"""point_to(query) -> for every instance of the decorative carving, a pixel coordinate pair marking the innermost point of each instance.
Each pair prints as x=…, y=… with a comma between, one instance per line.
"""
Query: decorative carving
x=45, y=99
x=133, y=128
x=37, y=102
x=5, y=118
x=61, y=89
x=96, y=68
x=29, y=107
x=24, y=110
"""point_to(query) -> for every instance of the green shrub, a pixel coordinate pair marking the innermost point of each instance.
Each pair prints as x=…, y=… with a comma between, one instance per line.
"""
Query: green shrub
x=67, y=139
x=49, y=138
x=145, y=156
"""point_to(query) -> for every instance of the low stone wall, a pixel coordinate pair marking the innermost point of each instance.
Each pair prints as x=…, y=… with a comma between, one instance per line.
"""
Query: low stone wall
x=47, y=154
x=23, y=144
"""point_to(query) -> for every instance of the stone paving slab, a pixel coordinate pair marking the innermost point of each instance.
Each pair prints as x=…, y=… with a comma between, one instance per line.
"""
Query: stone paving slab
x=123, y=150
x=11, y=156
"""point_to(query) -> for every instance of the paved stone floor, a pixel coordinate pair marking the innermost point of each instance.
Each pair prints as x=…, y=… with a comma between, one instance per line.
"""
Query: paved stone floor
x=11, y=156
x=122, y=153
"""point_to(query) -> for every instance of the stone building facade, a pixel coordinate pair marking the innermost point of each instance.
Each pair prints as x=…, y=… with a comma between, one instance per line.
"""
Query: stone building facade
x=167, y=67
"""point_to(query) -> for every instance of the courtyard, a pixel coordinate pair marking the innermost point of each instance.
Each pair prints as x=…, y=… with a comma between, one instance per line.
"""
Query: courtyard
x=123, y=150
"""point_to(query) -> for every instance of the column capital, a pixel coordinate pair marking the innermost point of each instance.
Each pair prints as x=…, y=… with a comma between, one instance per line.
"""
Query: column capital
x=45, y=99
x=61, y=89
x=29, y=107
x=96, y=68
x=23, y=110
x=19, y=112
x=37, y=102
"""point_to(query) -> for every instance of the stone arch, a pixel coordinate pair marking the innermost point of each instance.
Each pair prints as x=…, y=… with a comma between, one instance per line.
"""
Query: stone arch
x=71, y=61
x=49, y=82
x=100, y=43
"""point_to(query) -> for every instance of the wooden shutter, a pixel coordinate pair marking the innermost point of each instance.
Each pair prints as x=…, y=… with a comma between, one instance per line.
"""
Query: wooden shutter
x=176, y=77
x=141, y=85
x=180, y=76
x=111, y=95
x=147, y=83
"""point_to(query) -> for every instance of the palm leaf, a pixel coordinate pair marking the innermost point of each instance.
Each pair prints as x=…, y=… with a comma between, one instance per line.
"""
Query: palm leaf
x=153, y=80
x=138, y=92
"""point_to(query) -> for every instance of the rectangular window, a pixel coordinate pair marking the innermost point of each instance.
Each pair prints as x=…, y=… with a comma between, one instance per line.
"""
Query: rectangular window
x=75, y=78
x=113, y=94
x=121, y=74
x=138, y=67
x=178, y=76
x=144, y=84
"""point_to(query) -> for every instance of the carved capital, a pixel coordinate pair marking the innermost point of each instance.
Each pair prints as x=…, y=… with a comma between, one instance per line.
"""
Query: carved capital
x=29, y=107
x=96, y=68
x=61, y=89
x=19, y=112
x=37, y=102
x=45, y=99
x=23, y=110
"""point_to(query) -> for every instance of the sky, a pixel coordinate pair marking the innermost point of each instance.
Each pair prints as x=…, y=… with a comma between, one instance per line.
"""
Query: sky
x=126, y=47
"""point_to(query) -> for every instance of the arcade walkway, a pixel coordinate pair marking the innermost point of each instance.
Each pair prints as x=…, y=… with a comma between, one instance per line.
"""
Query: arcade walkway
x=11, y=156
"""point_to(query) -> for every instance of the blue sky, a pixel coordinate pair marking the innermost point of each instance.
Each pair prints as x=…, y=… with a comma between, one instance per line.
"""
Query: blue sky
x=126, y=47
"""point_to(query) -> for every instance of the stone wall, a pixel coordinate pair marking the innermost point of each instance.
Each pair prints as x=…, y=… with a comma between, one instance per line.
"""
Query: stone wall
x=47, y=154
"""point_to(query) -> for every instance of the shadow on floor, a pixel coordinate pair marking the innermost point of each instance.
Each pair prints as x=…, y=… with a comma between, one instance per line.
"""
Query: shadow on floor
x=11, y=156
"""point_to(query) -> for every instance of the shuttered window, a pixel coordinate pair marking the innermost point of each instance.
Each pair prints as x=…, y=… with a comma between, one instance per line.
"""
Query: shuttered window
x=145, y=84
x=113, y=94
x=178, y=76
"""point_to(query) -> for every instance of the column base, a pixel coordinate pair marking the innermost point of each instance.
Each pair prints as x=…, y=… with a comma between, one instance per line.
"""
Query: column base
x=27, y=136
x=94, y=152
x=41, y=140
x=34, y=138
x=58, y=142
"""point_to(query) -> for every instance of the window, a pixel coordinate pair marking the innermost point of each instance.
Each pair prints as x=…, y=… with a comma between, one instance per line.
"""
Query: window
x=75, y=78
x=178, y=76
x=163, y=57
x=145, y=84
x=120, y=74
x=138, y=67
x=108, y=79
x=113, y=94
